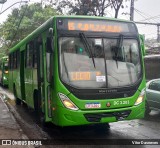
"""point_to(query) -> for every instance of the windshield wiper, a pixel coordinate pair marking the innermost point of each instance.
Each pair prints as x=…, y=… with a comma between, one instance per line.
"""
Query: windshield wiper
x=117, y=48
x=87, y=46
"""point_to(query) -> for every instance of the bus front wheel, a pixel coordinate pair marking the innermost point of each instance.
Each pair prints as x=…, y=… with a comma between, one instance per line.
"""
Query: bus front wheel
x=38, y=108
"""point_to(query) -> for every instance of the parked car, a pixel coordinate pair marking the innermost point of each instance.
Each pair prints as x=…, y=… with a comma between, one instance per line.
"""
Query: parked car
x=153, y=95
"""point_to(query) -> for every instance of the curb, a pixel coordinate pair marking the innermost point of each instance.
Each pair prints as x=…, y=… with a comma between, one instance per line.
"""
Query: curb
x=8, y=107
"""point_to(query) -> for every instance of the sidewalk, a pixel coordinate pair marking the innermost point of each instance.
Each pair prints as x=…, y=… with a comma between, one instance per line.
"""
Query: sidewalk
x=9, y=129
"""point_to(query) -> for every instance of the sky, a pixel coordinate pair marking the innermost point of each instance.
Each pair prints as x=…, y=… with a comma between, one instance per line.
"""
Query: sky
x=144, y=11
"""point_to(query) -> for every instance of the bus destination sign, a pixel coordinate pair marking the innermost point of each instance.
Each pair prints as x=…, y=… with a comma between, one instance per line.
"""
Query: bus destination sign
x=96, y=25
x=85, y=26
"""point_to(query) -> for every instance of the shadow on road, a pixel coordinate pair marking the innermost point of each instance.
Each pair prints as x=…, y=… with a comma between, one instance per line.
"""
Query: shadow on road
x=79, y=132
x=74, y=132
x=153, y=116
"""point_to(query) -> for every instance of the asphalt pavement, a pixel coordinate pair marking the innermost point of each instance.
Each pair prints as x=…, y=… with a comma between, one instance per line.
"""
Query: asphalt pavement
x=9, y=128
x=19, y=119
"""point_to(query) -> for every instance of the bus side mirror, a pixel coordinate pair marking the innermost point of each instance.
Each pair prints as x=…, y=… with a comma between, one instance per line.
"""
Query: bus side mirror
x=142, y=38
x=49, y=41
x=49, y=45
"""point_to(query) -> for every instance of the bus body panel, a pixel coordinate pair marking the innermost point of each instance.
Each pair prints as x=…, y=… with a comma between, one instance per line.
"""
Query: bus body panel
x=30, y=80
x=65, y=117
x=4, y=71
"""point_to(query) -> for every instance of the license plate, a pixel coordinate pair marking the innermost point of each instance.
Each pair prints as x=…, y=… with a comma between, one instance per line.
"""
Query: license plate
x=93, y=105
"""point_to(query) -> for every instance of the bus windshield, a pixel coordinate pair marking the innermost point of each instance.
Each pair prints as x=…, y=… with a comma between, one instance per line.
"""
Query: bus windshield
x=107, y=63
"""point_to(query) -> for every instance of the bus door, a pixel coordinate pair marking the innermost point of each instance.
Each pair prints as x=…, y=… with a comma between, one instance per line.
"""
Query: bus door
x=40, y=76
x=1, y=68
x=28, y=74
x=43, y=73
x=22, y=65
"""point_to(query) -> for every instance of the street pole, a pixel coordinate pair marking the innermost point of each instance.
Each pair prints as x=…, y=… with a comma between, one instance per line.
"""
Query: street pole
x=132, y=11
x=2, y=1
x=13, y=5
x=158, y=33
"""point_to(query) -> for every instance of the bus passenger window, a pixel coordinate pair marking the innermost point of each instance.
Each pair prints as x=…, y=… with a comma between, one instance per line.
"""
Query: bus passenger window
x=35, y=55
x=10, y=57
x=18, y=59
x=29, y=56
x=14, y=60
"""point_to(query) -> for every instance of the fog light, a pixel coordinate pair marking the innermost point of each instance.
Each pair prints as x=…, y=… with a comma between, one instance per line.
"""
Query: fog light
x=67, y=102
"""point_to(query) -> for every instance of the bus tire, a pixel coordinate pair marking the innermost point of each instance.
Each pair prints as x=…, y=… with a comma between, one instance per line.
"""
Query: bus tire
x=36, y=104
x=18, y=101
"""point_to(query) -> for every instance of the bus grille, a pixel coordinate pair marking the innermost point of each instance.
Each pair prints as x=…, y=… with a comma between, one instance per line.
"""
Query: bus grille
x=96, y=117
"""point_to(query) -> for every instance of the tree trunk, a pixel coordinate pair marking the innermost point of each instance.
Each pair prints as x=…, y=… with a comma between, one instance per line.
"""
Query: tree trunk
x=116, y=14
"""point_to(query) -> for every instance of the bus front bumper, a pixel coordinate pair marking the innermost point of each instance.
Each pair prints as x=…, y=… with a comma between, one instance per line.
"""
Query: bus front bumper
x=66, y=117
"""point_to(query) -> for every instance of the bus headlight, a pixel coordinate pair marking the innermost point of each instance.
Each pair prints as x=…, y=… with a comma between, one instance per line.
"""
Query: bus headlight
x=67, y=102
x=6, y=71
x=4, y=78
x=140, y=99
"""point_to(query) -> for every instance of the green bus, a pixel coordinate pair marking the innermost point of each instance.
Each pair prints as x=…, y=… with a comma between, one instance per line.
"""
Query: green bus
x=77, y=70
x=4, y=71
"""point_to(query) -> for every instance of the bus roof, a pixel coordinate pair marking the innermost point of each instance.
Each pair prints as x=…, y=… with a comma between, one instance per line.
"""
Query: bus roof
x=49, y=23
x=91, y=17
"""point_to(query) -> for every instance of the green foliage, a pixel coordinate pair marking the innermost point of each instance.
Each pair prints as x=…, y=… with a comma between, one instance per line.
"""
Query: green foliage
x=89, y=7
x=83, y=7
x=22, y=22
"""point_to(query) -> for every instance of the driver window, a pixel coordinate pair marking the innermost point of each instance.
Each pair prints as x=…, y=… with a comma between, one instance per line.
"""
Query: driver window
x=75, y=46
x=130, y=49
x=108, y=44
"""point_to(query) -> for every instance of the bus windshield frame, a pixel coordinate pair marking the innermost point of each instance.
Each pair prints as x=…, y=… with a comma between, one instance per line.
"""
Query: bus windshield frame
x=75, y=34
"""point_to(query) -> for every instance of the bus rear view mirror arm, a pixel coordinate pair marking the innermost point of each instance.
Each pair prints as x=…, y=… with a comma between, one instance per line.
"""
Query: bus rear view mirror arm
x=49, y=45
x=49, y=42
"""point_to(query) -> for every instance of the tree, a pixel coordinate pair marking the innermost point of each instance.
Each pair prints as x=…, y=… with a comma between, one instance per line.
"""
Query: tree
x=83, y=7
x=88, y=7
x=116, y=5
x=22, y=22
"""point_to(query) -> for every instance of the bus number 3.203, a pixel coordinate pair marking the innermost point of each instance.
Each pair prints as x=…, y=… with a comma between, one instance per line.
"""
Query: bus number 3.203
x=121, y=102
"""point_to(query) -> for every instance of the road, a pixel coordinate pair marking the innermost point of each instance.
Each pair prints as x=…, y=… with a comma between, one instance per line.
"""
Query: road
x=139, y=129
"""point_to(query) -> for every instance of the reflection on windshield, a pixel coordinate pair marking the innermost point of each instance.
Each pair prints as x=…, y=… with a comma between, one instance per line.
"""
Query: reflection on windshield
x=78, y=70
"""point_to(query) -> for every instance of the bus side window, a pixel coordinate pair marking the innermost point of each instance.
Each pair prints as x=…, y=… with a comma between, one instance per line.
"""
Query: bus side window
x=29, y=55
x=14, y=60
x=18, y=59
x=10, y=61
x=49, y=58
x=35, y=54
